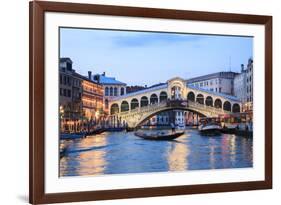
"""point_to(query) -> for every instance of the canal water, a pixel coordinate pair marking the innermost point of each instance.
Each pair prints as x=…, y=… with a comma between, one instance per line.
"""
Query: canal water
x=123, y=152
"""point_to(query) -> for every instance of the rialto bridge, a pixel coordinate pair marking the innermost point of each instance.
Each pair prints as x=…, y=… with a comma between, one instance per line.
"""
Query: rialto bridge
x=135, y=108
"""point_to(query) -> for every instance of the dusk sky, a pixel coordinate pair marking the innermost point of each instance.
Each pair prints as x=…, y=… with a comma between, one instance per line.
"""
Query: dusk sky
x=147, y=58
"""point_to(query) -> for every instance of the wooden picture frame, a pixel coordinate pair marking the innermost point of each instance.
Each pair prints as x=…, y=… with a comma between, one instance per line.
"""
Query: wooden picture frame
x=38, y=9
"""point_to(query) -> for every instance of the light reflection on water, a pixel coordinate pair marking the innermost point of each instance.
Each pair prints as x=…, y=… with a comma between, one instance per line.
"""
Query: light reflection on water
x=121, y=152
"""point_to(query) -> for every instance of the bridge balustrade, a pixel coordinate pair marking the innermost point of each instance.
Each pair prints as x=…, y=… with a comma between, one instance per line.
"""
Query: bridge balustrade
x=176, y=104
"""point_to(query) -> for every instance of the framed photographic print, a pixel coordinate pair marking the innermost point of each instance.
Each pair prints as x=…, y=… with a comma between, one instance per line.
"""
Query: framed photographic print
x=139, y=102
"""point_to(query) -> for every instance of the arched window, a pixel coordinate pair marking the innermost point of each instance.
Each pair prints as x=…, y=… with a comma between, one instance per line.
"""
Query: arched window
x=124, y=106
x=134, y=103
x=111, y=91
x=218, y=103
x=227, y=106
x=106, y=91
x=122, y=92
x=106, y=103
x=191, y=96
x=163, y=96
x=236, y=107
x=200, y=99
x=115, y=91
x=114, y=109
x=209, y=101
x=153, y=99
x=144, y=101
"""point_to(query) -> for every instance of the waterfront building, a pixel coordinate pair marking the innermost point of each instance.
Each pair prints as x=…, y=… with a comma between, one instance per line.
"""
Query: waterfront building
x=176, y=117
x=240, y=85
x=111, y=88
x=70, y=91
x=162, y=119
x=220, y=82
x=243, y=86
x=92, y=100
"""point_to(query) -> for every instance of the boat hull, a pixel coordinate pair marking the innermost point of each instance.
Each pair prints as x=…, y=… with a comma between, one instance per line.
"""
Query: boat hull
x=210, y=129
x=211, y=132
x=159, y=137
x=72, y=136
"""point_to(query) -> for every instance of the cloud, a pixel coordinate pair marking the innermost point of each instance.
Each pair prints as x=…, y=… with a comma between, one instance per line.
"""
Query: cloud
x=146, y=39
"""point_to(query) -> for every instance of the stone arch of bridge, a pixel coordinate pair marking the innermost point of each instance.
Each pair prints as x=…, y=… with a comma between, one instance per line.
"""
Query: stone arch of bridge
x=167, y=109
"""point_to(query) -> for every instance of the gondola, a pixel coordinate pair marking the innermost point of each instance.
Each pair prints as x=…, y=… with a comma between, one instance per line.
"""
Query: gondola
x=159, y=135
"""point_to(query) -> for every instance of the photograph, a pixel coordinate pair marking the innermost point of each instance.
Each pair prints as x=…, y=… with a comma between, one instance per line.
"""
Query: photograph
x=139, y=102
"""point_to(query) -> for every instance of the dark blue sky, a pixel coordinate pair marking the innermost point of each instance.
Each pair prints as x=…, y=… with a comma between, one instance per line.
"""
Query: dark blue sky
x=146, y=58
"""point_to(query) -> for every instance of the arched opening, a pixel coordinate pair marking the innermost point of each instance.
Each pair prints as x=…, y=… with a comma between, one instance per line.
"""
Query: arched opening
x=227, y=106
x=191, y=96
x=209, y=101
x=153, y=99
x=106, y=103
x=236, y=107
x=111, y=91
x=124, y=106
x=200, y=99
x=163, y=96
x=134, y=103
x=114, y=109
x=144, y=101
x=106, y=91
x=176, y=93
x=115, y=91
x=168, y=115
x=218, y=103
x=122, y=91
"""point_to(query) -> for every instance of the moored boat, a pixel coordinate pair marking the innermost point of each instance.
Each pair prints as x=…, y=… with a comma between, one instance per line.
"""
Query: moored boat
x=159, y=135
x=209, y=126
x=71, y=136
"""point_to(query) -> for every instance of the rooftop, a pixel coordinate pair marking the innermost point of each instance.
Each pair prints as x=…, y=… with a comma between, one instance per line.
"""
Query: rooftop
x=84, y=78
x=152, y=88
x=223, y=74
x=109, y=81
x=230, y=97
x=65, y=59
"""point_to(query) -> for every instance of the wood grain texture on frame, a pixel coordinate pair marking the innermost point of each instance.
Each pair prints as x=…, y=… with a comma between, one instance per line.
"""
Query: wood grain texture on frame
x=37, y=193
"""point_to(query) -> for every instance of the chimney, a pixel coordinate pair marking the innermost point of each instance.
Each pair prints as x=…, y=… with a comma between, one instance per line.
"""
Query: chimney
x=242, y=68
x=103, y=73
x=90, y=75
x=250, y=61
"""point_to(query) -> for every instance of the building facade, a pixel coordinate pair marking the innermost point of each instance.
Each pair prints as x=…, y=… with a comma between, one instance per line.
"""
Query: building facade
x=92, y=101
x=221, y=82
x=177, y=117
x=111, y=88
x=70, y=97
x=243, y=86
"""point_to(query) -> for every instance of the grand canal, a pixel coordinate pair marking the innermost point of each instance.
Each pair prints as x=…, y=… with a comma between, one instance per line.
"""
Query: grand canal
x=123, y=152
